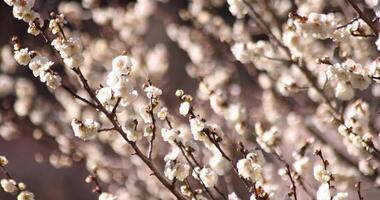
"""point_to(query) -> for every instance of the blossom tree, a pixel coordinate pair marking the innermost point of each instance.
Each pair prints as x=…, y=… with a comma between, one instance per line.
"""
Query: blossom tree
x=284, y=105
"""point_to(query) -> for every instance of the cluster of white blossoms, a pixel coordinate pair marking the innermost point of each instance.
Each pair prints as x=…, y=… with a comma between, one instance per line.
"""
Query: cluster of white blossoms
x=85, y=129
x=251, y=167
x=174, y=168
x=323, y=193
x=324, y=176
x=267, y=139
x=237, y=8
x=118, y=84
x=321, y=174
x=71, y=51
x=208, y=177
x=356, y=128
x=22, y=9
x=40, y=66
x=12, y=187
x=320, y=26
x=348, y=76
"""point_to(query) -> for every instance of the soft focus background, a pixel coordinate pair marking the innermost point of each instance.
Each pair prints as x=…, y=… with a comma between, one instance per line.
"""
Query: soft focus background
x=44, y=180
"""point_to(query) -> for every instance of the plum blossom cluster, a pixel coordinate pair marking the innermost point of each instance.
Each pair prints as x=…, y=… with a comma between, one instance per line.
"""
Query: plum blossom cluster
x=10, y=186
x=23, y=10
x=40, y=66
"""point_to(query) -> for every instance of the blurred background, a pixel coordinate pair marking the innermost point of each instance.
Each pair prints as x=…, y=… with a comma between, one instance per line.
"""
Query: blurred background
x=44, y=180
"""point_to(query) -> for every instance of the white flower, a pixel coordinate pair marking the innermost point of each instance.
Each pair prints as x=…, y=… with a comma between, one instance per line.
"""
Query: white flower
x=107, y=196
x=233, y=196
x=184, y=108
x=25, y=195
x=266, y=139
x=169, y=135
x=248, y=169
x=323, y=192
x=163, y=113
x=105, y=96
x=344, y=91
x=24, y=4
x=22, y=56
x=122, y=65
x=196, y=125
x=360, y=81
x=70, y=47
x=39, y=64
x=3, y=161
x=256, y=157
x=302, y=165
x=320, y=26
x=152, y=91
x=341, y=196
x=239, y=50
x=208, y=177
x=8, y=185
x=179, y=171
x=320, y=174
x=85, y=129
x=237, y=8
x=52, y=81
x=74, y=62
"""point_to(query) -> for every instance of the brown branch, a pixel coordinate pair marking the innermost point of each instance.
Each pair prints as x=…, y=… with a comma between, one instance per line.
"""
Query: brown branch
x=137, y=150
x=293, y=187
x=364, y=17
x=325, y=163
x=358, y=188
x=153, y=126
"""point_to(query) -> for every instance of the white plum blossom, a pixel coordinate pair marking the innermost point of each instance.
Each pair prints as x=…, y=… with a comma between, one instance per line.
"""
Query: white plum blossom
x=251, y=166
x=344, y=91
x=266, y=139
x=169, y=135
x=107, y=196
x=237, y=8
x=184, y=108
x=152, y=91
x=71, y=51
x=233, y=196
x=320, y=26
x=177, y=170
x=162, y=113
x=341, y=196
x=208, y=177
x=22, y=56
x=320, y=174
x=122, y=64
x=25, y=195
x=323, y=192
x=8, y=185
x=3, y=161
x=85, y=129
